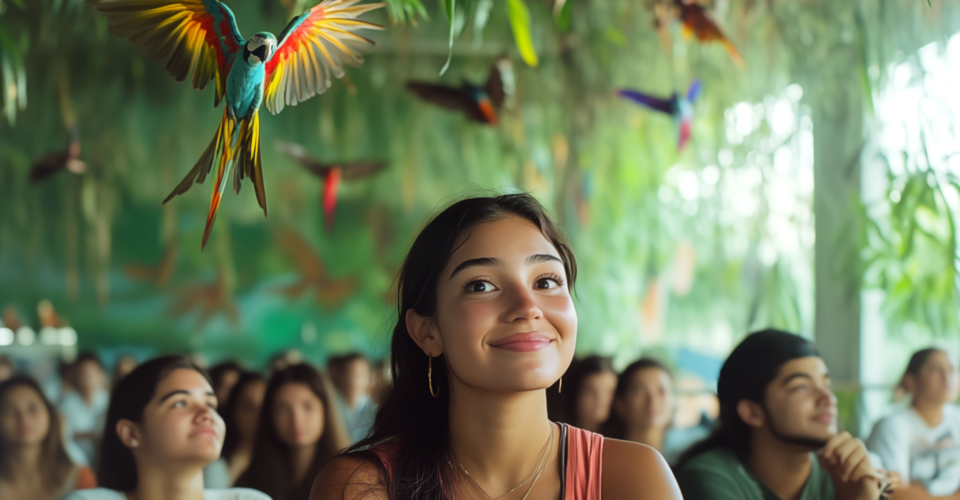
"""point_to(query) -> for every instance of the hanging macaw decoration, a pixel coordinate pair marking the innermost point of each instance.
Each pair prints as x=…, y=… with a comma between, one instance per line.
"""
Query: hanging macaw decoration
x=331, y=173
x=480, y=104
x=695, y=22
x=680, y=108
x=54, y=163
x=202, y=36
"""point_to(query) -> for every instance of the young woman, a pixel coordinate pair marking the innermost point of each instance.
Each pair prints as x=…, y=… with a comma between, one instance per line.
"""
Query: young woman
x=922, y=442
x=241, y=414
x=486, y=323
x=86, y=405
x=224, y=376
x=162, y=430
x=33, y=462
x=590, y=385
x=299, y=431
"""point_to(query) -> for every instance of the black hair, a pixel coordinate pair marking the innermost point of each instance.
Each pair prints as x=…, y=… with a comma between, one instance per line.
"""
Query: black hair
x=271, y=470
x=615, y=427
x=573, y=382
x=229, y=412
x=917, y=360
x=118, y=467
x=410, y=416
x=746, y=373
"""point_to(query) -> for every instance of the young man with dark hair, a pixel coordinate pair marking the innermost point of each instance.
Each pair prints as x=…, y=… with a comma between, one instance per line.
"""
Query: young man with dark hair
x=778, y=437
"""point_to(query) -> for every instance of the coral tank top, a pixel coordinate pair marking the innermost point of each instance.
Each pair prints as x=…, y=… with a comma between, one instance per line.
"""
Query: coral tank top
x=581, y=456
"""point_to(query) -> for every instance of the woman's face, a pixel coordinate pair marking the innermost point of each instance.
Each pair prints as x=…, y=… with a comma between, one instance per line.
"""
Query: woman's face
x=595, y=397
x=937, y=381
x=298, y=415
x=24, y=420
x=248, y=409
x=649, y=401
x=181, y=423
x=504, y=319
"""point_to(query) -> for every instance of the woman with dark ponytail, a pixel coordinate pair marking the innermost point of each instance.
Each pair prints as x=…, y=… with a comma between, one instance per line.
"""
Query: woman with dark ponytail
x=485, y=325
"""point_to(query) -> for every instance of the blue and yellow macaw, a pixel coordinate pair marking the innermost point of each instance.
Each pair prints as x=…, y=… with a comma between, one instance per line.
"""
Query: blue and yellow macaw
x=202, y=36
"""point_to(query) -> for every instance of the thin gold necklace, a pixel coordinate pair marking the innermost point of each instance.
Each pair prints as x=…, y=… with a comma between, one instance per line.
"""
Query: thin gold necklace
x=538, y=469
x=541, y=467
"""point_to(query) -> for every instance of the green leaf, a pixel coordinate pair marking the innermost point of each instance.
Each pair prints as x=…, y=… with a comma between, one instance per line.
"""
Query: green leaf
x=563, y=20
x=450, y=9
x=520, y=22
x=480, y=18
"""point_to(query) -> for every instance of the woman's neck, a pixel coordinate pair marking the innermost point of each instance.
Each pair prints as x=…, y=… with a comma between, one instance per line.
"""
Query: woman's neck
x=782, y=467
x=498, y=437
x=931, y=414
x=301, y=458
x=24, y=462
x=648, y=435
x=172, y=482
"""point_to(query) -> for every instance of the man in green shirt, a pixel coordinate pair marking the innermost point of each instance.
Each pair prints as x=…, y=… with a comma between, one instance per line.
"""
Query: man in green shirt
x=778, y=437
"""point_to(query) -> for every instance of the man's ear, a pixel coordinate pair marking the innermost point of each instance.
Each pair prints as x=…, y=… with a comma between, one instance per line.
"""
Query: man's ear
x=129, y=434
x=751, y=413
x=423, y=330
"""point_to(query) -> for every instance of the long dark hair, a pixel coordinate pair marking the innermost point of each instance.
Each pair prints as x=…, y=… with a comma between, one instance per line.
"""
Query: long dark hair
x=54, y=462
x=752, y=365
x=229, y=413
x=415, y=421
x=573, y=383
x=615, y=427
x=271, y=470
x=118, y=467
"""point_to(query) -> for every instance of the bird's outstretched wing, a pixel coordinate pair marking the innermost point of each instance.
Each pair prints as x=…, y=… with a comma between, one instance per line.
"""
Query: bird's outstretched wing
x=662, y=105
x=360, y=169
x=694, y=91
x=494, y=87
x=187, y=35
x=442, y=95
x=314, y=46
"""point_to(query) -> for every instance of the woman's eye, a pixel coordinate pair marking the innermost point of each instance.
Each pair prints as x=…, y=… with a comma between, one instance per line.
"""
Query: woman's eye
x=547, y=283
x=179, y=404
x=480, y=286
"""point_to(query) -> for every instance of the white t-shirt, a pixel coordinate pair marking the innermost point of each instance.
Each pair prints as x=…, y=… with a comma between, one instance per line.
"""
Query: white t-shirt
x=82, y=418
x=227, y=494
x=927, y=455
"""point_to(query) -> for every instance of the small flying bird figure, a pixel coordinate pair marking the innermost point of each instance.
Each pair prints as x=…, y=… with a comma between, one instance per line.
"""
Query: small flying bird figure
x=695, y=22
x=54, y=163
x=680, y=108
x=480, y=104
x=202, y=36
x=327, y=291
x=331, y=173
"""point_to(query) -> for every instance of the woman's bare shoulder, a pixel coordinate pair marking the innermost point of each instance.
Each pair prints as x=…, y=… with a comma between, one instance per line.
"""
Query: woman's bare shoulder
x=636, y=471
x=350, y=478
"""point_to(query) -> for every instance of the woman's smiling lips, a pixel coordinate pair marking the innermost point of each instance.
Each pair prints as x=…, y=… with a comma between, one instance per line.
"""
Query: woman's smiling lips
x=523, y=342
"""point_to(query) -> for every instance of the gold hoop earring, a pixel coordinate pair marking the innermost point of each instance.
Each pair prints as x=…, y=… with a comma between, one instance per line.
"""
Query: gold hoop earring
x=430, y=376
x=560, y=386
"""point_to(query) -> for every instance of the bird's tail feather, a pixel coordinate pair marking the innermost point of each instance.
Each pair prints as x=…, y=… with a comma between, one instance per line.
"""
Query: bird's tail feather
x=202, y=168
x=249, y=157
x=225, y=139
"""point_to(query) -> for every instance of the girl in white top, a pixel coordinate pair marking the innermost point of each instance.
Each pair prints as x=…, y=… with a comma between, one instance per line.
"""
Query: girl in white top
x=922, y=442
x=162, y=430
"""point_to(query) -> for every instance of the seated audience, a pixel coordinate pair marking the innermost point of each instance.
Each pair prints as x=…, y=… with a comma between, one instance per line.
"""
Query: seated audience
x=351, y=376
x=7, y=368
x=241, y=415
x=643, y=408
x=162, y=430
x=588, y=392
x=299, y=431
x=33, y=462
x=85, y=406
x=922, y=442
x=778, y=433
x=124, y=365
x=224, y=375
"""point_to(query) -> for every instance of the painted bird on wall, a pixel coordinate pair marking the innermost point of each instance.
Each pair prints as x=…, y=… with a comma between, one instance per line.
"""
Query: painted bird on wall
x=54, y=163
x=480, y=104
x=695, y=22
x=202, y=36
x=331, y=173
x=680, y=108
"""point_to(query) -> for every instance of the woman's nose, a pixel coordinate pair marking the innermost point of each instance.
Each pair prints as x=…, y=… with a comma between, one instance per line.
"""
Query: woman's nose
x=523, y=305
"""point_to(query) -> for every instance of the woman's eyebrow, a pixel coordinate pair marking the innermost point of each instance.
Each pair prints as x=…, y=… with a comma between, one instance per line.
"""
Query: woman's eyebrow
x=482, y=261
x=542, y=257
x=180, y=391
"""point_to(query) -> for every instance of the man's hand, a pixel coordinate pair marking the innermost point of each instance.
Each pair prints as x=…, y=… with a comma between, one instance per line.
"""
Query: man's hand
x=845, y=459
